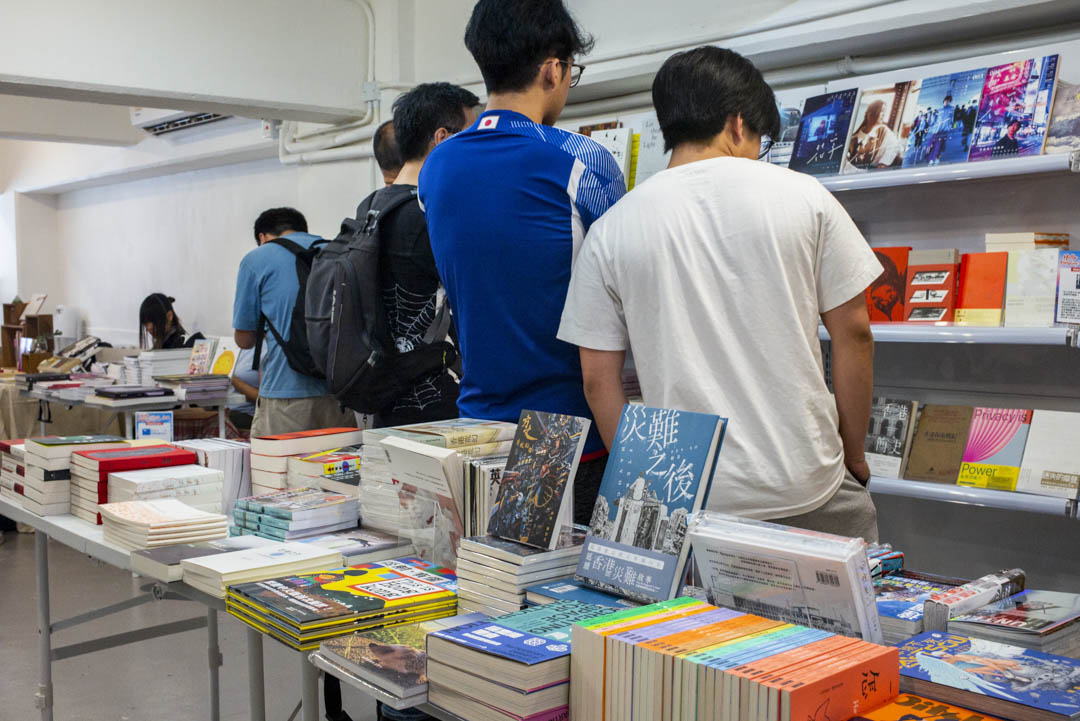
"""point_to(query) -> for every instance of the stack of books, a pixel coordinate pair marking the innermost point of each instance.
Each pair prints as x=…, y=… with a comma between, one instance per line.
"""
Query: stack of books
x=336, y=470
x=89, y=384
x=196, y=486
x=515, y=666
x=270, y=454
x=164, y=563
x=27, y=381
x=302, y=610
x=483, y=476
x=47, y=484
x=569, y=589
x=940, y=607
x=675, y=659
x=1047, y=621
x=390, y=662
x=12, y=470
x=361, y=545
x=493, y=573
x=151, y=363
x=120, y=396
x=213, y=574
x=232, y=458
x=90, y=474
x=900, y=598
x=194, y=388
x=296, y=513
x=163, y=522
x=991, y=678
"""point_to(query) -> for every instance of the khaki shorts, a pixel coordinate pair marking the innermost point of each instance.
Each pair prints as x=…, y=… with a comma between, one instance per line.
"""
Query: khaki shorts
x=850, y=512
x=286, y=415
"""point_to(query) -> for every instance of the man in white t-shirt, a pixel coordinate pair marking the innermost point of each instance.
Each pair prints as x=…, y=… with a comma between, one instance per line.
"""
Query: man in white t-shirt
x=715, y=273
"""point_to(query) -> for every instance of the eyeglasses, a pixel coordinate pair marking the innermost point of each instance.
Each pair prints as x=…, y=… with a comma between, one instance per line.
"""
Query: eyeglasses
x=575, y=71
x=766, y=146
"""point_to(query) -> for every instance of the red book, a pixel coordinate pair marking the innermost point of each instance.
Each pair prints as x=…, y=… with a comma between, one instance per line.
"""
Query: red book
x=885, y=296
x=291, y=444
x=982, y=288
x=5, y=446
x=931, y=286
x=105, y=461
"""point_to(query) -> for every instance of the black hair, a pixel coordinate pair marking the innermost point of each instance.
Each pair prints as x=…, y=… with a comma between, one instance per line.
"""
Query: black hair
x=386, y=148
x=280, y=220
x=509, y=39
x=695, y=92
x=423, y=110
x=155, y=309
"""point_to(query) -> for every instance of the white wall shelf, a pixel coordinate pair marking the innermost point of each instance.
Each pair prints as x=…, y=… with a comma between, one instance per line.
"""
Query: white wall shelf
x=1050, y=505
x=1035, y=164
x=919, y=333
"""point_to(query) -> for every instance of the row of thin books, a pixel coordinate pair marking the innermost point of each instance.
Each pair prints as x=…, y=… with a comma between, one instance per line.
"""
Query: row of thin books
x=1004, y=449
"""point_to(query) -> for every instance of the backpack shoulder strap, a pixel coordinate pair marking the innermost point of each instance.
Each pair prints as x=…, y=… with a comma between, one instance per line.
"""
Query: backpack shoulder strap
x=376, y=211
x=289, y=245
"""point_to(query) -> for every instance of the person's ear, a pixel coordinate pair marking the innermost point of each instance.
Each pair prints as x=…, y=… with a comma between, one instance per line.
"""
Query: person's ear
x=549, y=74
x=738, y=130
x=440, y=135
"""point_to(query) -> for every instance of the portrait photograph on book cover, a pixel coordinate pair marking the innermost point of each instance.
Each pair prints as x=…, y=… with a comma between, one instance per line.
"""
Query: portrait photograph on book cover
x=877, y=140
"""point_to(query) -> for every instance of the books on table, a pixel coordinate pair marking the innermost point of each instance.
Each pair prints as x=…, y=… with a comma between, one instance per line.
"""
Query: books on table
x=61, y=447
x=888, y=438
x=536, y=493
x=47, y=477
x=212, y=574
x=797, y=576
x=910, y=707
x=90, y=473
x=302, y=610
x=336, y=470
x=196, y=486
x=1050, y=465
x=202, y=353
x=493, y=573
x=230, y=457
x=482, y=479
x=393, y=660
x=1047, y=621
x=940, y=607
x=452, y=433
x=900, y=597
x=164, y=563
x=569, y=589
x=289, y=444
x=226, y=354
x=361, y=545
x=162, y=522
x=296, y=513
x=991, y=678
x=658, y=474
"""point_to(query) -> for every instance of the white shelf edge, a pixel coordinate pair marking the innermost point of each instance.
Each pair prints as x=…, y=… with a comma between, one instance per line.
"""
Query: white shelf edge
x=917, y=333
x=1035, y=164
x=1007, y=500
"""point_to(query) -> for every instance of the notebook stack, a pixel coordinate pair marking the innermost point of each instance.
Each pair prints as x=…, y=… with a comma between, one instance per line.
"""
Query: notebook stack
x=296, y=513
x=162, y=522
x=1047, y=621
x=900, y=598
x=90, y=473
x=196, y=486
x=213, y=574
x=302, y=610
x=47, y=486
x=687, y=659
x=232, y=458
x=390, y=662
x=493, y=573
x=512, y=666
x=164, y=563
x=336, y=470
x=12, y=470
x=121, y=396
x=193, y=388
x=270, y=454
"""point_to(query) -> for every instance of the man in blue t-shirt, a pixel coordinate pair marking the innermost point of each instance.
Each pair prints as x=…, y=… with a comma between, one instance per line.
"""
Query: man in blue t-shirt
x=267, y=285
x=508, y=202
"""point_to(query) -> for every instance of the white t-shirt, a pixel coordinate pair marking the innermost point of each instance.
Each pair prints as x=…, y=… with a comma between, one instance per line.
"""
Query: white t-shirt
x=716, y=273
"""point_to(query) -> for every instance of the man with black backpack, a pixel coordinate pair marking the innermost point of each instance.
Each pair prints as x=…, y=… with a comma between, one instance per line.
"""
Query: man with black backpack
x=291, y=398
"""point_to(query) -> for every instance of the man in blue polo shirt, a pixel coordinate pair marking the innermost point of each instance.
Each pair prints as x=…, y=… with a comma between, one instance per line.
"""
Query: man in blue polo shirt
x=508, y=202
x=266, y=284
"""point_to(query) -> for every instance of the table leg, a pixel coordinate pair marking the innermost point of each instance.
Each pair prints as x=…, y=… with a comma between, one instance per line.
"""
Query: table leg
x=214, y=656
x=44, y=696
x=221, y=421
x=256, y=690
x=309, y=689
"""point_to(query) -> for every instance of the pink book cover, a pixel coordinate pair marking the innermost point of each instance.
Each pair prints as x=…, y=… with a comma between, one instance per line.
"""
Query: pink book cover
x=997, y=436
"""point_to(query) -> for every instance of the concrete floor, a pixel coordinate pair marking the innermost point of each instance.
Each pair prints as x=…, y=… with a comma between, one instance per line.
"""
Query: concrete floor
x=164, y=679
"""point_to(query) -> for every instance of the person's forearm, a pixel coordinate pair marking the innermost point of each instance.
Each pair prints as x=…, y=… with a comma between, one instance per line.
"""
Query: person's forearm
x=250, y=392
x=853, y=384
x=606, y=400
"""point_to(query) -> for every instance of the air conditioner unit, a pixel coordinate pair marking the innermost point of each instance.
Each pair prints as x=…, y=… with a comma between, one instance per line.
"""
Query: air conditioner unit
x=158, y=121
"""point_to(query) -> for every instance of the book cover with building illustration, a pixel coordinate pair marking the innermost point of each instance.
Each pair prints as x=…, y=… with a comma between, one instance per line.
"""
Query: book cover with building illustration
x=888, y=437
x=1015, y=109
x=537, y=483
x=657, y=475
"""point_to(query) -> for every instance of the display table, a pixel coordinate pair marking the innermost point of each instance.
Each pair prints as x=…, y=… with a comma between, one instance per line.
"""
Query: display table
x=19, y=417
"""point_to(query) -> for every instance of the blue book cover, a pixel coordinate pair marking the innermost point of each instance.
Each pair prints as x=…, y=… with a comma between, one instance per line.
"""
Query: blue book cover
x=568, y=588
x=823, y=133
x=657, y=475
x=943, y=119
x=902, y=597
x=997, y=670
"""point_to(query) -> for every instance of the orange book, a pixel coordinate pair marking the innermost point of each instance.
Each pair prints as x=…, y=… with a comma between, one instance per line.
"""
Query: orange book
x=885, y=296
x=982, y=289
x=291, y=444
x=909, y=705
x=863, y=680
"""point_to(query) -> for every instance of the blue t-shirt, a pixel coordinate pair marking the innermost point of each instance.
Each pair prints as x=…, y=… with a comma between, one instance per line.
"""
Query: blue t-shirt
x=247, y=374
x=266, y=284
x=508, y=203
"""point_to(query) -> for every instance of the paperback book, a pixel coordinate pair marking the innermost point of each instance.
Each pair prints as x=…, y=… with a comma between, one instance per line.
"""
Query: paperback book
x=931, y=285
x=981, y=296
x=658, y=474
x=1067, y=304
x=1050, y=466
x=1042, y=620
x=823, y=133
x=995, y=447
x=1015, y=109
x=1031, y=285
x=877, y=139
x=937, y=450
x=945, y=114
x=888, y=439
x=885, y=296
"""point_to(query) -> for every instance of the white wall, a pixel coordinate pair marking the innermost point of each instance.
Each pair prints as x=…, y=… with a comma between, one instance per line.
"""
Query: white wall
x=8, y=256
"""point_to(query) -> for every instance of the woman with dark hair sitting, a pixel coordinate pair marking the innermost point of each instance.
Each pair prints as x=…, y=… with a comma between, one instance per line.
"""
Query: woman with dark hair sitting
x=159, y=326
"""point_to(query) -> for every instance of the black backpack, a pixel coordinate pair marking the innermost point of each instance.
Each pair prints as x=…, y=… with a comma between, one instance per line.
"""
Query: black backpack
x=297, y=350
x=347, y=328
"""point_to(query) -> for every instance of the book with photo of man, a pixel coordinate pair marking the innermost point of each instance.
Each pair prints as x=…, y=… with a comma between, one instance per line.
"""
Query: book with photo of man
x=1015, y=109
x=537, y=485
x=877, y=138
x=943, y=119
x=823, y=133
x=885, y=296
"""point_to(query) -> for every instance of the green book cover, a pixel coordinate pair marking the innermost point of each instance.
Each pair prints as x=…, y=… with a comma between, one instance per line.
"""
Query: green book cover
x=552, y=620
